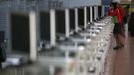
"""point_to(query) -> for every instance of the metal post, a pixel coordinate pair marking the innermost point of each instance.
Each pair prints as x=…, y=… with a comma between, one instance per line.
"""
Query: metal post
x=33, y=36
x=95, y=16
x=67, y=62
x=51, y=70
x=85, y=17
x=103, y=11
x=97, y=12
x=91, y=15
x=76, y=19
x=67, y=22
x=52, y=27
x=9, y=36
x=38, y=28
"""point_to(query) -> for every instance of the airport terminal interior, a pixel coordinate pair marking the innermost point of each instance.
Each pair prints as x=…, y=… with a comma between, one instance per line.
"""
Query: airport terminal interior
x=64, y=37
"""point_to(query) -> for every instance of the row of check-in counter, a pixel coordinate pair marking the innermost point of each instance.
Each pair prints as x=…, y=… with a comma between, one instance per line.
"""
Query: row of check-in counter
x=81, y=54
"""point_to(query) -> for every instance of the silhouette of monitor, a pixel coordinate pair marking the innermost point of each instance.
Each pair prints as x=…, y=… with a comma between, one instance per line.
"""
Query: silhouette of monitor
x=45, y=25
x=72, y=19
x=81, y=17
x=20, y=32
x=88, y=14
x=2, y=36
x=60, y=22
x=99, y=11
x=93, y=13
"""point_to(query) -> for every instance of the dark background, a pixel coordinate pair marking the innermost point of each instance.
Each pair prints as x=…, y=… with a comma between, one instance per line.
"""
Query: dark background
x=20, y=32
x=45, y=26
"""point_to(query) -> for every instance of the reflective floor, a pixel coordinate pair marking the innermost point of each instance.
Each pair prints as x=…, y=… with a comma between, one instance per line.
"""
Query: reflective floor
x=131, y=54
x=121, y=62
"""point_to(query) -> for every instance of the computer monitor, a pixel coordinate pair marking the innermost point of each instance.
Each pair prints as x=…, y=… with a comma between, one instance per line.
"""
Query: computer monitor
x=72, y=19
x=88, y=14
x=2, y=36
x=60, y=22
x=45, y=25
x=20, y=39
x=99, y=11
x=81, y=17
x=93, y=13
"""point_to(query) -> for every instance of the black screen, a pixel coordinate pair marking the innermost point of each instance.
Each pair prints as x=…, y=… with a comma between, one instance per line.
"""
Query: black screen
x=72, y=19
x=93, y=13
x=20, y=32
x=45, y=26
x=88, y=14
x=81, y=17
x=60, y=21
x=99, y=11
x=2, y=36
